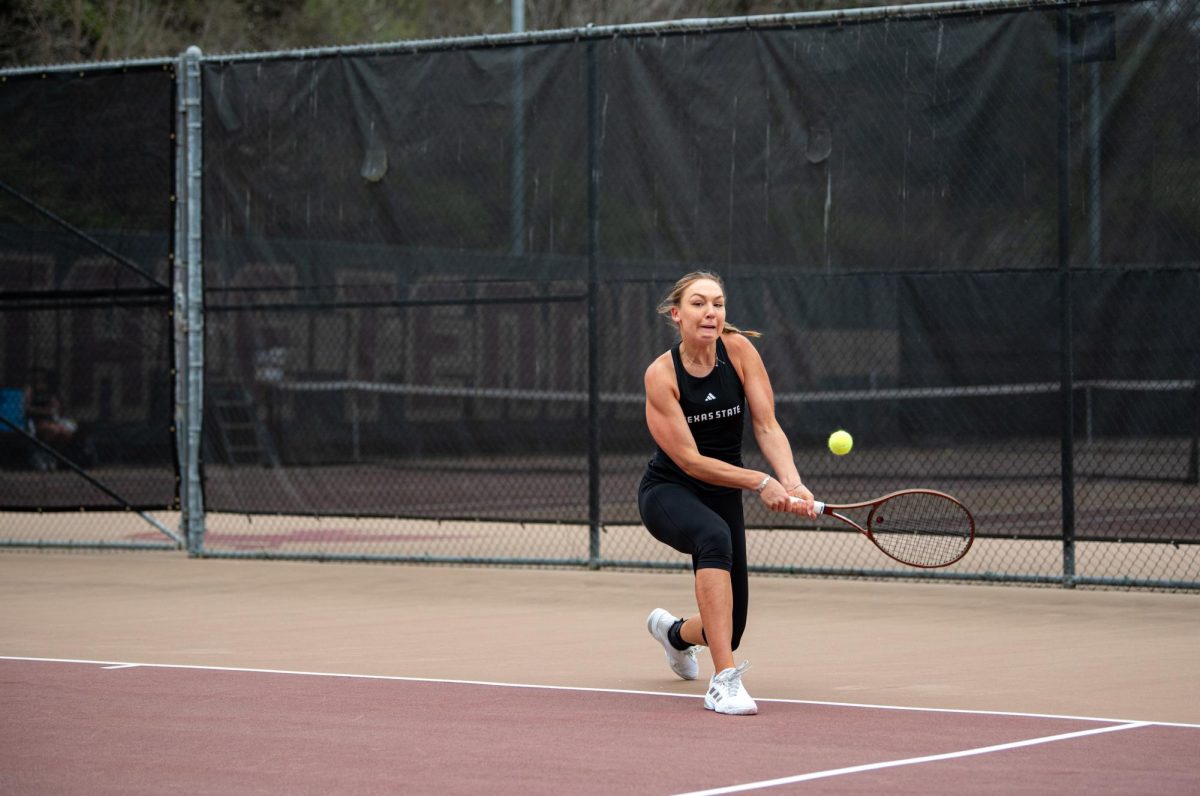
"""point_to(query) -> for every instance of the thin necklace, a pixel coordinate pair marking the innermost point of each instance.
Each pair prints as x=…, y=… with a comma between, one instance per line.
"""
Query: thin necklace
x=692, y=360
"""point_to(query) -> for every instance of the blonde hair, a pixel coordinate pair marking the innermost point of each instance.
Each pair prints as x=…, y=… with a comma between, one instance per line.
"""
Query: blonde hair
x=675, y=298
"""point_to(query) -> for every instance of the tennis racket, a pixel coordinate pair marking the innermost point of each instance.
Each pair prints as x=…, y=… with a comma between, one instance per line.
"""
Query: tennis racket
x=917, y=527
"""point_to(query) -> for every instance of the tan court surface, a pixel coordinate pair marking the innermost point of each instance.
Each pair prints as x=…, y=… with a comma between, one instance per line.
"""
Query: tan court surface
x=1109, y=654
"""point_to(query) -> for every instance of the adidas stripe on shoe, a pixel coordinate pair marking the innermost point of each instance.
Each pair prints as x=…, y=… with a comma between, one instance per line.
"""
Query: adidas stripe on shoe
x=727, y=695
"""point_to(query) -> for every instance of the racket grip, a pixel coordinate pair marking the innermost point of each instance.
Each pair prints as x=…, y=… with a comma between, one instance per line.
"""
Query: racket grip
x=818, y=505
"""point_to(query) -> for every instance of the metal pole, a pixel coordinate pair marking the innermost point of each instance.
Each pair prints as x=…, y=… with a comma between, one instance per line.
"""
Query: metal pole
x=1066, y=361
x=1193, y=476
x=191, y=191
x=593, y=210
x=1094, y=216
x=517, y=232
x=179, y=292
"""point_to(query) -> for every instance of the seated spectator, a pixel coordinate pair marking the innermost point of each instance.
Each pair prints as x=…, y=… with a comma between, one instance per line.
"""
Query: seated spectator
x=44, y=409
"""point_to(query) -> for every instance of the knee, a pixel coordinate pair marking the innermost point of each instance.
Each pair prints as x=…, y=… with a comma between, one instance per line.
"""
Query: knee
x=714, y=550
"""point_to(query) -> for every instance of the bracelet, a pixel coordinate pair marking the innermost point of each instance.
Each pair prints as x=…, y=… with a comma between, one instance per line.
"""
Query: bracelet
x=795, y=486
x=766, y=480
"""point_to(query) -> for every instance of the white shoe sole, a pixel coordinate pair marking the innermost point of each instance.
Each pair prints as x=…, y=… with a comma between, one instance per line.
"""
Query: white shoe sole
x=745, y=711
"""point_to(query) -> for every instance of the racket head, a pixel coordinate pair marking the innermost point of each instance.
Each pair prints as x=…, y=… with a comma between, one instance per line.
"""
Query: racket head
x=921, y=528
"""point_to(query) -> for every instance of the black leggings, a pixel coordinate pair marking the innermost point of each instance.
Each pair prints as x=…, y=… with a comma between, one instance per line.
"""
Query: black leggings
x=710, y=527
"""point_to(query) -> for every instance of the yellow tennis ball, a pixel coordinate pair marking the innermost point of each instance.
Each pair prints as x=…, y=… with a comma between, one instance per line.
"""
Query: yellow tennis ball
x=840, y=442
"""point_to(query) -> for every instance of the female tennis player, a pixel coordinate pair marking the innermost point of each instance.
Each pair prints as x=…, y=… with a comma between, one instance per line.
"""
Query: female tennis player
x=691, y=494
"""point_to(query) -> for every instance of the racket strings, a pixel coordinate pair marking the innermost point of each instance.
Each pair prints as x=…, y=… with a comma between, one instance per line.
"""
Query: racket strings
x=922, y=529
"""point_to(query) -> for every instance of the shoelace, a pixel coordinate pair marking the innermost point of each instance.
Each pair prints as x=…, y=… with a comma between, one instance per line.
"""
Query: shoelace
x=734, y=681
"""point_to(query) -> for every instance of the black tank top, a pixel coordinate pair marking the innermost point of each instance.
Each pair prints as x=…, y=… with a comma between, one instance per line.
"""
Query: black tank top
x=714, y=406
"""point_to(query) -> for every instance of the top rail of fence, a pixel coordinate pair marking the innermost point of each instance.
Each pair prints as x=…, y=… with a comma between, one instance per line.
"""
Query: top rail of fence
x=813, y=396
x=668, y=27
x=591, y=32
x=94, y=66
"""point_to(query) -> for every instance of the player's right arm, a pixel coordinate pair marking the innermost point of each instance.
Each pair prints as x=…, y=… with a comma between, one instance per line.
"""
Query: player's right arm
x=668, y=426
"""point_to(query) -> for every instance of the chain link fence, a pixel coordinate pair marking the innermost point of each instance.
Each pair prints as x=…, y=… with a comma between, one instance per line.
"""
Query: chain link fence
x=429, y=277
x=85, y=307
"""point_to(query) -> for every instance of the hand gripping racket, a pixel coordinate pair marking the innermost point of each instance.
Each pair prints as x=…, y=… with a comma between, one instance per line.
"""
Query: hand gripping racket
x=917, y=527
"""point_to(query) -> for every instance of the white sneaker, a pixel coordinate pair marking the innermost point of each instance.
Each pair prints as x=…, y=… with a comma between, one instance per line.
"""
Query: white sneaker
x=682, y=662
x=726, y=694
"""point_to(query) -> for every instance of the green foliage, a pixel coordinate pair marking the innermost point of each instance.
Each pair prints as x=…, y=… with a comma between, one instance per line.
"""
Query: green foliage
x=325, y=22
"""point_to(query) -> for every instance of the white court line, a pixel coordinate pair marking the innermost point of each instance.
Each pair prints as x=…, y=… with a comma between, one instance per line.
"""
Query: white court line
x=584, y=689
x=122, y=666
x=983, y=750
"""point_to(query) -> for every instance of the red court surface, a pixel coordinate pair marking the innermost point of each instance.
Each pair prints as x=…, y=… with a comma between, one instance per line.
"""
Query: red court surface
x=157, y=674
x=104, y=727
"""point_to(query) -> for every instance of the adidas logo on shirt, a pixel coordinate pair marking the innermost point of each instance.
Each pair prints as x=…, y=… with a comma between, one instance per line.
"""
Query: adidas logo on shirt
x=710, y=397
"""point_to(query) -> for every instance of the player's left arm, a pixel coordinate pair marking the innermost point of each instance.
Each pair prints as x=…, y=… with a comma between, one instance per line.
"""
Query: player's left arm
x=769, y=435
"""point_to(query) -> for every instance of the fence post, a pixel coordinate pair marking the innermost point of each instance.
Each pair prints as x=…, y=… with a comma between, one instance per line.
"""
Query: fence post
x=1193, y=476
x=593, y=211
x=189, y=318
x=1066, y=342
